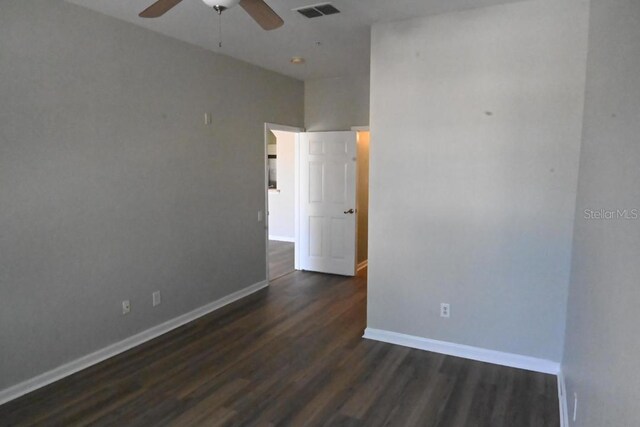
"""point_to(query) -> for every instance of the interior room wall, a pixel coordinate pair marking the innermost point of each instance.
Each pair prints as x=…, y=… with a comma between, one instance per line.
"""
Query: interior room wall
x=364, y=139
x=282, y=201
x=602, y=344
x=113, y=186
x=477, y=121
x=336, y=103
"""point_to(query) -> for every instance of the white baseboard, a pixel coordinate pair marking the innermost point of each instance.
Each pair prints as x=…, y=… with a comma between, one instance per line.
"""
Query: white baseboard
x=465, y=351
x=282, y=239
x=114, y=349
x=362, y=265
x=562, y=399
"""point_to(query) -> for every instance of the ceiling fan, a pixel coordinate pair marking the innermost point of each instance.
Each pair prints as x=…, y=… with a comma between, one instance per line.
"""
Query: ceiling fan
x=257, y=9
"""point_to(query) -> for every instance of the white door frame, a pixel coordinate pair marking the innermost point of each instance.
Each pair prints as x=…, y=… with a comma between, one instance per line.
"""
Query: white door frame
x=269, y=127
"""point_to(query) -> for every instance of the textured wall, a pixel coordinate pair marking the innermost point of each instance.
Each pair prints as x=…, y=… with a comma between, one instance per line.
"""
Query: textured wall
x=111, y=185
x=602, y=344
x=476, y=121
x=337, y=103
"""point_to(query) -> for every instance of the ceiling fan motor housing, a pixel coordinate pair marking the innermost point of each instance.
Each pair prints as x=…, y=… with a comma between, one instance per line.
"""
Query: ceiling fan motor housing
x=221, y=4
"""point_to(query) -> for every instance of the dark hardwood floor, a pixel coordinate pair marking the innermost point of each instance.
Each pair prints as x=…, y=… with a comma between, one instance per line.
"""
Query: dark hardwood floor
x=281, y=260
x=290, y=355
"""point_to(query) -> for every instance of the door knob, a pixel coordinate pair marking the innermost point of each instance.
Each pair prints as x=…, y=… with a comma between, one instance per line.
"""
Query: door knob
x=350, y=211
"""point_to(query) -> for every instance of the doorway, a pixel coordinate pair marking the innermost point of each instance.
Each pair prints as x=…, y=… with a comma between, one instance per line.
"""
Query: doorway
x=289, y=237
x=281, y=187
x=362, y=202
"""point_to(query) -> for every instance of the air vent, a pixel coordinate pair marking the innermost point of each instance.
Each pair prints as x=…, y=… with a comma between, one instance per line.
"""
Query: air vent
x=327, y=9
x=317, y=10
x=309, y=12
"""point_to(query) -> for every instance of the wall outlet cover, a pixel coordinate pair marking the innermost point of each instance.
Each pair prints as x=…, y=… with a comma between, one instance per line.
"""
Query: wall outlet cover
x=445, y=310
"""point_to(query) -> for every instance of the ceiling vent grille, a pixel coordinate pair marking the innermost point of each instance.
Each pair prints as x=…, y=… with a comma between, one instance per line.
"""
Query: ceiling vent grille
x=318, y=10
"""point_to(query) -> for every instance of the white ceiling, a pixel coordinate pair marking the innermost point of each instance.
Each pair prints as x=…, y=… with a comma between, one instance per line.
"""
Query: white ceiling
x=344, y=38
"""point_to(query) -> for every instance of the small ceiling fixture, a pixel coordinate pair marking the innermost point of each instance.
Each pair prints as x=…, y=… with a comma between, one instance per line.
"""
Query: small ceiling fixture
x=297, y=60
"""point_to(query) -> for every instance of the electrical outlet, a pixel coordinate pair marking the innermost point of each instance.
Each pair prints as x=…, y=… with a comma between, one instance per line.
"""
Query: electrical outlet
x=156, y=298
x=126, y=307
x=445, y=310
x=575, y=407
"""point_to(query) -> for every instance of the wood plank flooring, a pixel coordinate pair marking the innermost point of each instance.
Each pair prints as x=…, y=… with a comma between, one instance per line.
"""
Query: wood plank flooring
x=291, y=355
x=281, y=260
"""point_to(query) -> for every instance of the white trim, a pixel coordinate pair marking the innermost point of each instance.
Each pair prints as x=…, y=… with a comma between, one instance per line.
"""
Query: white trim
x=562, y=399
x=283, y=239
x=465, y=351
x=284, y=128
x=362, y=265
x=265, y=160
x=296, y=203
x=360, y=128
x=84, y=362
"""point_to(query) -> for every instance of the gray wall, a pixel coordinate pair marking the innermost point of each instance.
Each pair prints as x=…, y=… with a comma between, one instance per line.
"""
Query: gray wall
x=113, y=187
x=476, y=120
x=336, y=103
x=602, y=342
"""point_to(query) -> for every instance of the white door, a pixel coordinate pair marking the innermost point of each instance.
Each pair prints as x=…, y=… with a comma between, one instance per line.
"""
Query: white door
x=328, y=202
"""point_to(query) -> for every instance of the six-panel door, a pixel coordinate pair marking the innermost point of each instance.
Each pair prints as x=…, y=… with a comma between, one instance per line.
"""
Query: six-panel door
x=328, y=202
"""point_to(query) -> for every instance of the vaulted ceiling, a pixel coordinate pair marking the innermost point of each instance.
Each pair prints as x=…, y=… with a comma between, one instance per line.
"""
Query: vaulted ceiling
x=335, y=45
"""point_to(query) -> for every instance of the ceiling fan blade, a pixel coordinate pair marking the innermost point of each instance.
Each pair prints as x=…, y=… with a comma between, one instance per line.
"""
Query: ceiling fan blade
x=262, y=14
x=159, y=8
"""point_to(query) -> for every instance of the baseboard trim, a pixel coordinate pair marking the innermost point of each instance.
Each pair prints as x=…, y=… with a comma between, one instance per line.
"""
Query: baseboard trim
x=562, y=399
x=282, y=239
x=363, y=265
x=465, y=351
x=105, y=353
